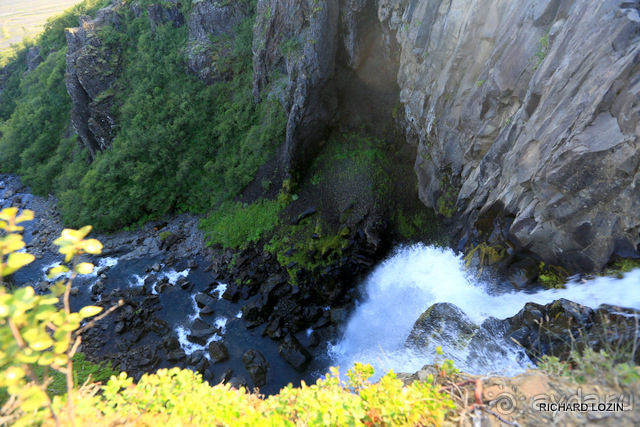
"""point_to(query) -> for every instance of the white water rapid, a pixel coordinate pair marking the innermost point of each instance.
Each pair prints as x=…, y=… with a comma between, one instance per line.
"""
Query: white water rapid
x=400, y=289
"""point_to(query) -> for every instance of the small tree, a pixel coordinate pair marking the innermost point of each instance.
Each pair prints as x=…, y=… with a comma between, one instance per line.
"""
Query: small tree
x=39, y=330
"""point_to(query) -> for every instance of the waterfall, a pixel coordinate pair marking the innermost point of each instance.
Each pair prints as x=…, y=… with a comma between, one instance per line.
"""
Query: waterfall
x=401, y=288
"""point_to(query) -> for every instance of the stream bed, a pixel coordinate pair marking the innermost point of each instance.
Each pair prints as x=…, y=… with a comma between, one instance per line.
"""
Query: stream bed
x=181, y=300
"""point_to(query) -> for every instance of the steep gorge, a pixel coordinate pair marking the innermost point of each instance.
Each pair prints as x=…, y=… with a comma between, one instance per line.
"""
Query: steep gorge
x=525, y=116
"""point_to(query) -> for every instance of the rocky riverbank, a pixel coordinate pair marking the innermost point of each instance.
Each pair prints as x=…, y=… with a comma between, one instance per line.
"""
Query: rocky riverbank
x=230, y=300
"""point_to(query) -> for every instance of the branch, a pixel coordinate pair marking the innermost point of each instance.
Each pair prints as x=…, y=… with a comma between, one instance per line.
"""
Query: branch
x=93, y=321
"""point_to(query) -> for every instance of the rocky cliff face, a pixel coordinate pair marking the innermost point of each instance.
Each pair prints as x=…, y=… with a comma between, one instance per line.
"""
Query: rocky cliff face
x=330, y=65
x=91, y=71
x=525, y=115
x=526, y=119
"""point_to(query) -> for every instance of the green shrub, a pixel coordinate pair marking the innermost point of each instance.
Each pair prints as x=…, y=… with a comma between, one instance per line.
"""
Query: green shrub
x=235, y=225
x=158, y=399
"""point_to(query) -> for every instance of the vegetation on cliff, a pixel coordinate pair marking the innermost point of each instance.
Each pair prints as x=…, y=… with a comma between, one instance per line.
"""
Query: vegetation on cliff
x=180, y=144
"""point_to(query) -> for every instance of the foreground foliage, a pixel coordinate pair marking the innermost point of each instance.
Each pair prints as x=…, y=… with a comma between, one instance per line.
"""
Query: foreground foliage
x=36, y=333
x=158, y=399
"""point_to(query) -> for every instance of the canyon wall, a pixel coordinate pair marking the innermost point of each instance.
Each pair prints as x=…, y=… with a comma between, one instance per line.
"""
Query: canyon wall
x=526, y=119
x=523, y=116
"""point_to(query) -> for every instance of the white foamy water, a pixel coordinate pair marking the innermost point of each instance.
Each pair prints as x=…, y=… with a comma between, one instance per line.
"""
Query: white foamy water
x=221, y=323
x=103, y=264
x=190, y=347
x=400, y=289
x=173, y=275
x=220, y=289
x=196, y=309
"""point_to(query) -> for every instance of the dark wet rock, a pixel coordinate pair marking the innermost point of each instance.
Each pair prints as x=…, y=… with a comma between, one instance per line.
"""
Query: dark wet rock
x=232, y=293
x=339, y=316
x=196, y=356
x=136, y=361
x=444, y=321
x=119, y=327
x=202, y=365
x=170, y=241
x=204, y=300
x=238, y=382
x=257, y=367
x=171, y=343
x=274, y=329
x=176, y=355
x=218, y=352
x=559, y=327
x=207, y=311
x=208, y=376
x=306, y=214
x=226, y=375
x=200, y=336
x=294, y=353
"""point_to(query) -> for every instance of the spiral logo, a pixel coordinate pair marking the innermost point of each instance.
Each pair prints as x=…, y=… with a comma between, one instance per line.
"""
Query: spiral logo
x=505, y=403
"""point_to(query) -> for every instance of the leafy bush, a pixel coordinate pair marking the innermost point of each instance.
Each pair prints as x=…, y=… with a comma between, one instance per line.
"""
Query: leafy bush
x=158, y=399
x=235, y=225
x=33, y=331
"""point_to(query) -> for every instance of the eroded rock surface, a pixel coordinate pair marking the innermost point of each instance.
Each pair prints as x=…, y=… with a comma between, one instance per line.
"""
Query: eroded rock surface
x=526, y=112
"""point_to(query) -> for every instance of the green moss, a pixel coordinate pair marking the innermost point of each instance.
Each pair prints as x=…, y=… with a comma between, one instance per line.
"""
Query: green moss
x=552, y=276
x=235, y=225
x=618, y=268
x=310, y=245
x=543, y=49
x=82, y=370
x=487, y=255
x=164, y=235
x=419, y=225
x=446, y=203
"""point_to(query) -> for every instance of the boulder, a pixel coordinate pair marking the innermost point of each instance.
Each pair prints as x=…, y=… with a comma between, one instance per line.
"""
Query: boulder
x=294, y=353
x=257, y=367
x=218, y=352
x=445, y=322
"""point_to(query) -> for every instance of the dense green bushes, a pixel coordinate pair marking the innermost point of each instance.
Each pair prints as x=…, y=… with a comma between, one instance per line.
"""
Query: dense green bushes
x=180, y=145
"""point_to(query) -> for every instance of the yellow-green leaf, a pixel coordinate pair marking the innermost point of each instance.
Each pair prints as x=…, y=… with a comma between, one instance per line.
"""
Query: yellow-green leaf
x=90, y=310
x=11, y=243
x=56, y=271
x=8, y=214
x=26, y=215
x=13, y=374
x=84, y=268
x=92, y=246
x=60, y=359
x=34, y=399
x=17, y=260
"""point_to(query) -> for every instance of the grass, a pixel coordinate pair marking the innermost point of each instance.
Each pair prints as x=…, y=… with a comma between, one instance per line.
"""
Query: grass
x=236, y=225
x=82, y=370
x=20, y=19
